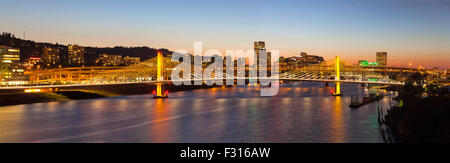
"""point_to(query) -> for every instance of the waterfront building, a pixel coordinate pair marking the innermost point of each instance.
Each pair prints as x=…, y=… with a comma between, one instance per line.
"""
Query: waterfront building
x=300, y=61
x=11, y=72
x=127, y=60
x=311, y=59
x=51, y=57
x=33, y=63
x=76, y=56
x=109, y=60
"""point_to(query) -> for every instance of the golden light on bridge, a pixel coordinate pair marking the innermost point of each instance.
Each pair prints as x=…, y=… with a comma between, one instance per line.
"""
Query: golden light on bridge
x=32, y=90
x=337, y=91
x=160, y=66
x=160, y=77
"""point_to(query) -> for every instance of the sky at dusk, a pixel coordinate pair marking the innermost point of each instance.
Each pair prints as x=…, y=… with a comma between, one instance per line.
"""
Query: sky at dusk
x=416, y=31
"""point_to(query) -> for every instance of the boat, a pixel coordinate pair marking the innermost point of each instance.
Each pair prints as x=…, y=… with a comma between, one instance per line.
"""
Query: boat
x=355, y=103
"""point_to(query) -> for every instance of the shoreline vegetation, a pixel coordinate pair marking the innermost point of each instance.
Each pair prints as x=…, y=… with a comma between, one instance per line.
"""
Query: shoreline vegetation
x=422, y=115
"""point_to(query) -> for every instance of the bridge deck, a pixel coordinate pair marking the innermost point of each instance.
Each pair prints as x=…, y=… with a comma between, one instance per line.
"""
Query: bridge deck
x=171, y=81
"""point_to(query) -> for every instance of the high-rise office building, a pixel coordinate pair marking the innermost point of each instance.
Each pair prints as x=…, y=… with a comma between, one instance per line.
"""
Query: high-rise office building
x=382, y=59
x=258, y=46
x=76, y=56
x=10, y=69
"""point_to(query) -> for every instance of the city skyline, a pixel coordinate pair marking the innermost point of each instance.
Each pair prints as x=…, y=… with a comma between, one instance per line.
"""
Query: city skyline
x=225, y=80
x=414, y=32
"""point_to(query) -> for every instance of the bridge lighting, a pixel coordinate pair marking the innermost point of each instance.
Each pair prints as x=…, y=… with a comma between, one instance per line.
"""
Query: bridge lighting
x=338, y=78
x=32, y=90
x=338, y=71
x=160, y=77
x=160, y=66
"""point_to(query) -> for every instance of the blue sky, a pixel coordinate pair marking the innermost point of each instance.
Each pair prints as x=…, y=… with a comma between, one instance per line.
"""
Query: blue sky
x=416, y=31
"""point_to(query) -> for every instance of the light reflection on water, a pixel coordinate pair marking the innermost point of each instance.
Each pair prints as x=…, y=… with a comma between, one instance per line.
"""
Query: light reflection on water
x=301, y=113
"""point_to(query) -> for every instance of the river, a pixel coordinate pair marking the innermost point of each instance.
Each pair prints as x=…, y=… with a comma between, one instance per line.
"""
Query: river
x=302, y=112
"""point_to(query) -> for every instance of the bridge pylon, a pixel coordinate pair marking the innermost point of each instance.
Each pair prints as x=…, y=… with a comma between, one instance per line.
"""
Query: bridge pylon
x=160, y=92
x=337, y=90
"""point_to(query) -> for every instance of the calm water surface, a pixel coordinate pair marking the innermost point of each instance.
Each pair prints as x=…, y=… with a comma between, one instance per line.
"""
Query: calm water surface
x=304, y=112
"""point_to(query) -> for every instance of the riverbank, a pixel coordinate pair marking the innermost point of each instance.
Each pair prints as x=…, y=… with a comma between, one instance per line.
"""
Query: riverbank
x=422, y=116
x=420, y=120
x=18, y=98
x=7, y=99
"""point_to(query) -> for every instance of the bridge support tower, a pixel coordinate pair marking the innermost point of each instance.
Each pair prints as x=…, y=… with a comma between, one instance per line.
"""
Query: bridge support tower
x=337, y=90
x=160, y=92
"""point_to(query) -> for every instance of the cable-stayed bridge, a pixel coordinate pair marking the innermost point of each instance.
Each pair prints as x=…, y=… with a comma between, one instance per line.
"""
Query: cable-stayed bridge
x=147, y=72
